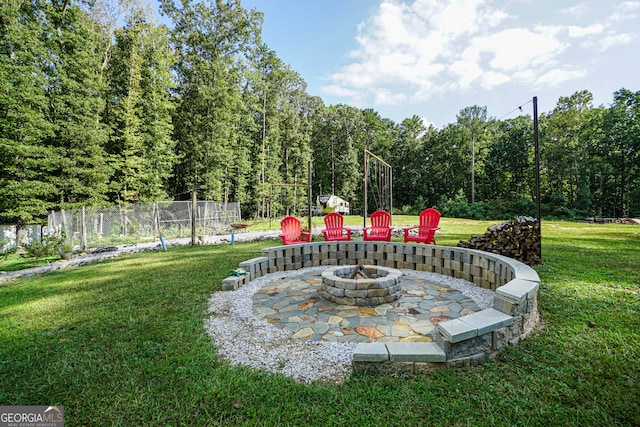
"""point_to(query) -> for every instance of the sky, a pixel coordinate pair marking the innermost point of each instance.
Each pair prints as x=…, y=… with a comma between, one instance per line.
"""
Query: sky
x=432, y=58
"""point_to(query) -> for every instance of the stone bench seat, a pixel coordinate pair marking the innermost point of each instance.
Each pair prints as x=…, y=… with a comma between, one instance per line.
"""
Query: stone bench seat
x=467, y=340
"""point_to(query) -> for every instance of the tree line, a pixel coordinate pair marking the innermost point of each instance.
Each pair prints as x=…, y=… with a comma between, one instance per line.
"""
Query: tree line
x=100, y=104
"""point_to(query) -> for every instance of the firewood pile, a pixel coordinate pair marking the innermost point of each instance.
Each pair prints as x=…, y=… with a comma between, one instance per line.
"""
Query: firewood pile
x=517, y=239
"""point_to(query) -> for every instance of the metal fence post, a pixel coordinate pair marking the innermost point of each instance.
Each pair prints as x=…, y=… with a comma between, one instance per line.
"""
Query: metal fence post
x=83, y=235
x=194, y=202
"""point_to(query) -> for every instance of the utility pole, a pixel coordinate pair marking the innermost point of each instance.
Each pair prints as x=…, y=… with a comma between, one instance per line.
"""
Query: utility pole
x=536, y=140
x=473, y=166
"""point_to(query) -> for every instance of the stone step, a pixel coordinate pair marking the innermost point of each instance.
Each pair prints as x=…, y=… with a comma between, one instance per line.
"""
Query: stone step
x=399, y=352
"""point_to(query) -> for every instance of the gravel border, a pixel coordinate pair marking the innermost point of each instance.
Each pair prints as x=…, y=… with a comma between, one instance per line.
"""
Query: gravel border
x=245, y=340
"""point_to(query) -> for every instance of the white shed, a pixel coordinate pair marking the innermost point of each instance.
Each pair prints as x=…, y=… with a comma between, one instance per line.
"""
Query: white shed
x=331, y=203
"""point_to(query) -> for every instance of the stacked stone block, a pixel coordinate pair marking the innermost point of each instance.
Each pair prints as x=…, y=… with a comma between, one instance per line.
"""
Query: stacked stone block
x=338, y=288
x=468, y=340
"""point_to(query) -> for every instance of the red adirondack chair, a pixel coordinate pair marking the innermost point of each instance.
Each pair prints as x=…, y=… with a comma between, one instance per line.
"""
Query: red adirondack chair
x=429, y=219
x=334, y=227
x=291, y=231
x=380, y=227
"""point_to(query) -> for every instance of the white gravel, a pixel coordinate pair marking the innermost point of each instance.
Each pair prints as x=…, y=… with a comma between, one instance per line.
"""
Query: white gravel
x=245, y=340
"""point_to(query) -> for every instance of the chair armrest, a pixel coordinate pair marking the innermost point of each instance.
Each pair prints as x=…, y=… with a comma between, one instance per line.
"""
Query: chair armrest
x=407, y=229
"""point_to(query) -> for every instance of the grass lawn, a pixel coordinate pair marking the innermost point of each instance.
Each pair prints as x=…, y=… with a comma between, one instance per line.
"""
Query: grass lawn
x=15, y=262
x=122, y=343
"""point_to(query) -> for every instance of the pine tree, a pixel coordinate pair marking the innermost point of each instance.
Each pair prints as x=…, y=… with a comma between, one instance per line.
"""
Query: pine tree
x=74, y=95
x=26, y=192
x=139, y=111
x=157, y=108
x=210, y=39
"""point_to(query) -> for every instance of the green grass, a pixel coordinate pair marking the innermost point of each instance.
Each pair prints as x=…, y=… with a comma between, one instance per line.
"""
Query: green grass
x=15, y=262
x=122, y=343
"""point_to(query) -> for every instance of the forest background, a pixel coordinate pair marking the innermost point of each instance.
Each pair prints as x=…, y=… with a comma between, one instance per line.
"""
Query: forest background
x=101, y=105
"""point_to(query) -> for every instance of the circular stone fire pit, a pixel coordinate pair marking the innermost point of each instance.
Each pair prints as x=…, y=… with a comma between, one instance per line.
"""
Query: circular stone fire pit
x=365, y=285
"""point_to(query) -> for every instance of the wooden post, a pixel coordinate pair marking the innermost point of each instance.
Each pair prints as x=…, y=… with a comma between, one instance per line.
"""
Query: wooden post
x=194, y=203
x=156, y=221
x=83, y=235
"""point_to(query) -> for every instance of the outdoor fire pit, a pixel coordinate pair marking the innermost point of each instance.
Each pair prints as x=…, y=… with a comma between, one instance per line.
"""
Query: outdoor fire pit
x=366, y=285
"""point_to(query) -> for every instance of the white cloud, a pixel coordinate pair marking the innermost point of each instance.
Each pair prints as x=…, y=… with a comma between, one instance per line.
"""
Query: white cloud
x=616, y=39
x=412, y=50
x=559, y=75
x=575, y=31
x=492, y=79
x=625, y=10
x=390, y=97
x=336, y=90
x=610, y=40
x=518, y=48
x=467, y=72
x=575, y=11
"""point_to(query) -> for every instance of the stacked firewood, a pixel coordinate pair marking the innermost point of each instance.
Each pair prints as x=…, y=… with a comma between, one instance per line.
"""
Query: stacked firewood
x=518, y=239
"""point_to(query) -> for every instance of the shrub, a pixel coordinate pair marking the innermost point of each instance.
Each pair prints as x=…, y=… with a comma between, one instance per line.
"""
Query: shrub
x=458, y=207
x=49, y=246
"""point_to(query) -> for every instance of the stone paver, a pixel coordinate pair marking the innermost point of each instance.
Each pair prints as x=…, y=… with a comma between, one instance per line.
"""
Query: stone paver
x=295, y=304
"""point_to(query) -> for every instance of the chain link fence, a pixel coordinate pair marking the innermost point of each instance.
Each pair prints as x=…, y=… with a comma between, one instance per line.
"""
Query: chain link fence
x=8, y=238
x=142, y=222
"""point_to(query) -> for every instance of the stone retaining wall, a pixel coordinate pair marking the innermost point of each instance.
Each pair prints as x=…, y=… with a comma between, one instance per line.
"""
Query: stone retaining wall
x=468, y=340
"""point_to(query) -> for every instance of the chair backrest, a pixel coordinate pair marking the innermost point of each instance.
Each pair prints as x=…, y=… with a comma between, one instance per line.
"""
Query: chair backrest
x=380, y=219
x=290, y=226
x=429, y=218
x=333, y=220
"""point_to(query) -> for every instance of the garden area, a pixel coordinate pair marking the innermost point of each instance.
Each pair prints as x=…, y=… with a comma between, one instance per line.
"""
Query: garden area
x=122, y=342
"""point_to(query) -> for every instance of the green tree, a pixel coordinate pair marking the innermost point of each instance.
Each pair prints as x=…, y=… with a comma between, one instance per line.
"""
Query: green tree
x=446, y=158
x=26, y=190
x=75, y=88
x=211, y=39
x=282, y=132
x=157, y=108
x=263, y=97
x=622, y=124
x=407, y=160
x=140, y=109
x=564, y=148
x=337, y=151
x=473, y=121
x=509, y=163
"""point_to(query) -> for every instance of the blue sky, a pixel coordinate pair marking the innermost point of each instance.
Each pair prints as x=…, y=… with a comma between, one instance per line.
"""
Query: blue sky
x=432, y=58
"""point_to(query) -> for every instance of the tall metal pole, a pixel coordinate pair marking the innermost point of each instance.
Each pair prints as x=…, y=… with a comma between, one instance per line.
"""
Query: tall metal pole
x=309, y=190
x=391, y=194
x=473, y=167
x=381, y=182
x=536, y=140
x=270, y=205
x=364, y=207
